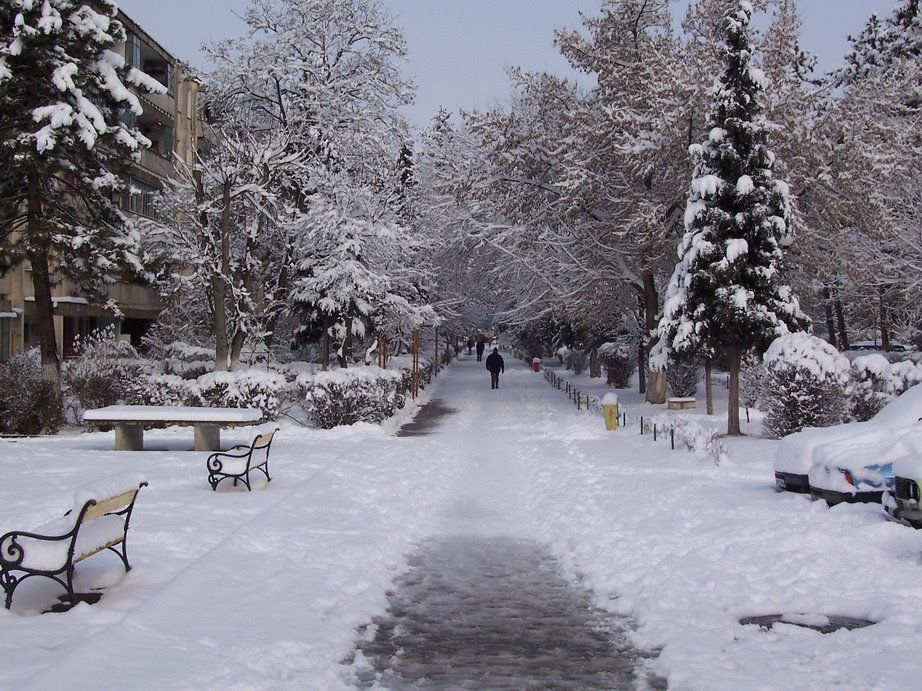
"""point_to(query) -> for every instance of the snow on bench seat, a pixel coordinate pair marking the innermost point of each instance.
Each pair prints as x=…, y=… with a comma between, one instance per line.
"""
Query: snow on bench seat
x=178, y=414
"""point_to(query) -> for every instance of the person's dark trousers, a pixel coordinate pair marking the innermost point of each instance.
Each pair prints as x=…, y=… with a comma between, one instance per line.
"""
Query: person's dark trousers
x=494, y=380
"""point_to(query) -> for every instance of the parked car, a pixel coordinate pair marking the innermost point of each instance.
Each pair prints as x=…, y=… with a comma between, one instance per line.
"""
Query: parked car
x=902, y=502
x=875, y=345
x=861, y=469
x=794, y=456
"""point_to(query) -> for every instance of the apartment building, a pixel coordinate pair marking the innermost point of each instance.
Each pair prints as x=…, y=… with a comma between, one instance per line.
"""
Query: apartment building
x=169, y=121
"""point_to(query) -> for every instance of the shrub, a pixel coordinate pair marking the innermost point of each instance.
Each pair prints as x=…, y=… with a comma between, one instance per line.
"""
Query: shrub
x=187, y=361
x=161, y=389
x=348, y=396
x=575, y=360
x=243, y=389
x=682, y=377
x=870, y=375
x=29, y=403
x=103, y=372
x=619, y=362
x=806, y=385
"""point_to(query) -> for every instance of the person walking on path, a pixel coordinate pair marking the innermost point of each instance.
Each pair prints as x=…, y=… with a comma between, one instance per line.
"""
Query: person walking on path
x=480, y=346
x=470, y=345
x=496, y=365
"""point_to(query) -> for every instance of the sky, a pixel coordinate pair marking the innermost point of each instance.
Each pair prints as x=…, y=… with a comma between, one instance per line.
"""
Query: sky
x=459, y=49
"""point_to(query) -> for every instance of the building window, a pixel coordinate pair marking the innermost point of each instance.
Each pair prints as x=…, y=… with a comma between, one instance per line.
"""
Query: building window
x=140, y=198
x=129, y=118
x=133, y=50
x=166, y=142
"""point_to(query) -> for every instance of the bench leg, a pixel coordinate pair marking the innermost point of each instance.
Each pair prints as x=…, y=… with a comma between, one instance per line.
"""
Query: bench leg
x=129, y=437
x=207, y=438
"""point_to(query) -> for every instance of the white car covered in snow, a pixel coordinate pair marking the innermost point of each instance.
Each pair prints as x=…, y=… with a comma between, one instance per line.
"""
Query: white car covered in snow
x=795, y=454
x=860, y=469
x=902, y=502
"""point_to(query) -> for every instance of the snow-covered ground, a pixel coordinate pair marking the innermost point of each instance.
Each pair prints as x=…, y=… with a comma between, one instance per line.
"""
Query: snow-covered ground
x=268, y=589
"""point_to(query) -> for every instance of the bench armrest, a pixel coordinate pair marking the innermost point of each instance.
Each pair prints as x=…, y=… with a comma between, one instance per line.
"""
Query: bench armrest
x=12, y=551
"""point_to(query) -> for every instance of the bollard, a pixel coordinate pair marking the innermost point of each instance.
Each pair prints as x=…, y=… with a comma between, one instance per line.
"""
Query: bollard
x=610, y=411
x=641, y=425
x=654, y=431
x=672, y=438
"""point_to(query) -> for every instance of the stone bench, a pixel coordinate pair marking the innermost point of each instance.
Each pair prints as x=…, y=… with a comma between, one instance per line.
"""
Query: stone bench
x=680, y=403
x=129, y=422
x=98, y=521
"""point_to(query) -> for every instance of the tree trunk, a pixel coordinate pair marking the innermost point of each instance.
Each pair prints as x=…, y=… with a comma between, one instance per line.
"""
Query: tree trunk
x=41, y=284
x=884, y=326
x=642, y=367
x=325, y=357
x=44, y=312
x=733, y=400
x=219, y=286
x=708, y=388
x=650, y=309
x=595, y=367
x=236, y=347
x=840, y=320
x=345, y=351
x=830, y=322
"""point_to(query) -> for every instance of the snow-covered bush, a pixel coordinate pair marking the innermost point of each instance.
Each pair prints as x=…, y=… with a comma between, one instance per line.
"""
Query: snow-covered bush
x=806, y=385
x=187, y=361
x=161, y=389
x=103, y=372
x=243, y=389
x=697, y=438
x=620, y=362
x=682, y=377
x=29, y=403
x=870, y=374
x=348, y=396
x=575, y=360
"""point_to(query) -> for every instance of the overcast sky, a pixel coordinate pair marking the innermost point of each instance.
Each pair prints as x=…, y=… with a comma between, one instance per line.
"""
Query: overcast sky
x=458, y=49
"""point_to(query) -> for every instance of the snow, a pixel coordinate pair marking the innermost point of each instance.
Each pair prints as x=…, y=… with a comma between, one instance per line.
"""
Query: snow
x=909, y=466
x=157, y=413
x=267, y=589
x=610, y=399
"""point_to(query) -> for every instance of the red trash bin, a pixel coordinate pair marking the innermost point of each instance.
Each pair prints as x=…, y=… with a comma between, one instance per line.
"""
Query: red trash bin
x=536, y=365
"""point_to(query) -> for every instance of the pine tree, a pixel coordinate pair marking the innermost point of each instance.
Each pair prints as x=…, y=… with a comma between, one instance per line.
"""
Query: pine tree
x=62, y=94
x=726, y=293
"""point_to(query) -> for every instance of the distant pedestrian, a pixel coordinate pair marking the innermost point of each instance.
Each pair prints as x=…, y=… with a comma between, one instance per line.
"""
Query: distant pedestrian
x=470, y=344
x=480, y=346
x=496, y=365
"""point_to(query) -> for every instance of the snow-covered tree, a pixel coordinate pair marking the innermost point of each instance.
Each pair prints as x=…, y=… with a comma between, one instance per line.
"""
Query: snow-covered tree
x=63, y=91
x=727, y=291
x=226, y=229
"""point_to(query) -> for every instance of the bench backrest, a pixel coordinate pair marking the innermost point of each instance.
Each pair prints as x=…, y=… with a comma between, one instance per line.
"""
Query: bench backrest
x=263, y=440
x=103, y=507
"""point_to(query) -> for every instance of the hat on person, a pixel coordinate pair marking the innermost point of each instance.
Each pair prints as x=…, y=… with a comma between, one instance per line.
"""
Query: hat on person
x=496, y=350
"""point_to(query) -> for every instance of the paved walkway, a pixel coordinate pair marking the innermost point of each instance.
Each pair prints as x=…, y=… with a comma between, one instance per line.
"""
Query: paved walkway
x=484, y=605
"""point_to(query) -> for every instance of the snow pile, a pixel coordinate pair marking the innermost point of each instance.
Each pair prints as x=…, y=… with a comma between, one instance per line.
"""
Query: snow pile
x=244, y=389
x=806, y=384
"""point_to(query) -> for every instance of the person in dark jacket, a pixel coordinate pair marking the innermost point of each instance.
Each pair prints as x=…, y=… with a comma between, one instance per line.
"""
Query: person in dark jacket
x=480, y=346
x=470, y=345
x=496, y=365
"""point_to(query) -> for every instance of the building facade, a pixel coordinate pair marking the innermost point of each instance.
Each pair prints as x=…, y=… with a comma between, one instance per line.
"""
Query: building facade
x=170, y=122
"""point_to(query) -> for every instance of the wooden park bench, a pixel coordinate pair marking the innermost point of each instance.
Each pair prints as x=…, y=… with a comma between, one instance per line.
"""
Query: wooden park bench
x=129, y=422
x=98, y=521
x=238, y=462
